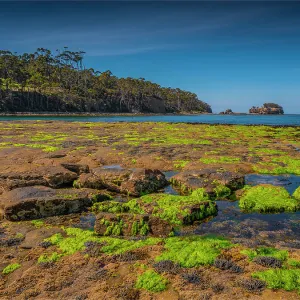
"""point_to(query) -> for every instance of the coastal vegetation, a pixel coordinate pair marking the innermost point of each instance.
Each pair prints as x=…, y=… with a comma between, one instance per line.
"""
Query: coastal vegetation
x=60, y=82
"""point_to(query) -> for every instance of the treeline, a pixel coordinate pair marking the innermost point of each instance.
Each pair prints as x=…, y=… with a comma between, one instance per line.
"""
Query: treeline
x=60, y=82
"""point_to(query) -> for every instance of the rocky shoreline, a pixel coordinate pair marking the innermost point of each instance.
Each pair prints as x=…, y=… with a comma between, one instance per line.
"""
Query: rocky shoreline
x=110, y=210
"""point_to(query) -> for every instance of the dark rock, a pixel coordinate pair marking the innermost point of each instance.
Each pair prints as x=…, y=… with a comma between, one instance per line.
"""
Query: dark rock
x=100, y=274
x=225, y=264
x=93, y=249
x=208, y=179
x=39, y=201
x=144, y=181
x=217, y=288
x=267, y=261
x=11, y=241
x=127, y=293
x=166, y=266
x=45, y=244
x=193, y=278
x=252, y=285
x=125, y=224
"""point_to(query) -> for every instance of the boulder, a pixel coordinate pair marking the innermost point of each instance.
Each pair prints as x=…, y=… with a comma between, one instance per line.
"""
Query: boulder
x=39, y=201
x=209, y=179
x=134, y=182
x=144, y=181
x=127, y=224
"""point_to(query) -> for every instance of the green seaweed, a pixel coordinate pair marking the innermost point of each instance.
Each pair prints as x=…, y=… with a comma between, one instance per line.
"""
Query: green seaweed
x=151, y=281
x=268, y=198
x=288, y=280
x=296, y=193
x=266, y=251
x=76, y=239
x=11, y=268
x=46, y=258
x=194, y=251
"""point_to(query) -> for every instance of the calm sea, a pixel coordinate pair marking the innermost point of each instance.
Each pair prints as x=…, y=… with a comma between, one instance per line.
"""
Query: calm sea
x=210, y=119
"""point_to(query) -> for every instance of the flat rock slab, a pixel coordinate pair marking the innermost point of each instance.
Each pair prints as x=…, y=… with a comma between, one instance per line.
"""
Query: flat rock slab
x=52, y=176
x=35, y=237
x=208, y=179
x=39, y=201
x=134, y=182
x=127, y=224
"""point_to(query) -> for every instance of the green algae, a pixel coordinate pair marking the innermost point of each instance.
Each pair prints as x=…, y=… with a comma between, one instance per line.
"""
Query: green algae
x=175, y=209
x=220, y=159
x=76, y=239
x=296, y=193
x=11, y=268
x=37, y=223
x=194, y=251
x=222, y=191
x=140, y=228
x=267, y=199
x=294, y=263
x=151, y=281
x=288, y=280
x=171, y=208
x=49, y=258
x=266, y=251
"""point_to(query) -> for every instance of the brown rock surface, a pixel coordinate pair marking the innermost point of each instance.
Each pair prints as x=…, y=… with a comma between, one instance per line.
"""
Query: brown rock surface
x=134, y=182
x=208, y=179
x=39, y=201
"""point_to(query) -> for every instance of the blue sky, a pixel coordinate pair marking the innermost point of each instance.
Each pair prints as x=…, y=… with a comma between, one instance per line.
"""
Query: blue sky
x=231, y=54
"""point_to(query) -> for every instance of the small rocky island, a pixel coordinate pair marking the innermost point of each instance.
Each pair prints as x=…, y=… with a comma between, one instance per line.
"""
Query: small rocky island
x=227, y=112
x=267, y=109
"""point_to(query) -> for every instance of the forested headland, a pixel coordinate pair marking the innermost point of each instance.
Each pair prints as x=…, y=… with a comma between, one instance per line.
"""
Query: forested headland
x=59, y=82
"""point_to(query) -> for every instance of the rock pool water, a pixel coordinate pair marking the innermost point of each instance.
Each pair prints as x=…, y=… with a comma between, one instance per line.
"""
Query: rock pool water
x=252, y=229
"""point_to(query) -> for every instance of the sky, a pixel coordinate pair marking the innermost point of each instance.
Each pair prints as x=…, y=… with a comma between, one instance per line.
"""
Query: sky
x=234, y=55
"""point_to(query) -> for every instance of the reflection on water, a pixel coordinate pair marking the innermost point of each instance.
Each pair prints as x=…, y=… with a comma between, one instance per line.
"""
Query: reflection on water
x=290, y=182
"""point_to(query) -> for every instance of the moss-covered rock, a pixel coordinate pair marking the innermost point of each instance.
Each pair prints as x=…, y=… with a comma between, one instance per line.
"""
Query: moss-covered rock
x=266, y=198
x=217, y=183
x=126, y=224
x=175, y=210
